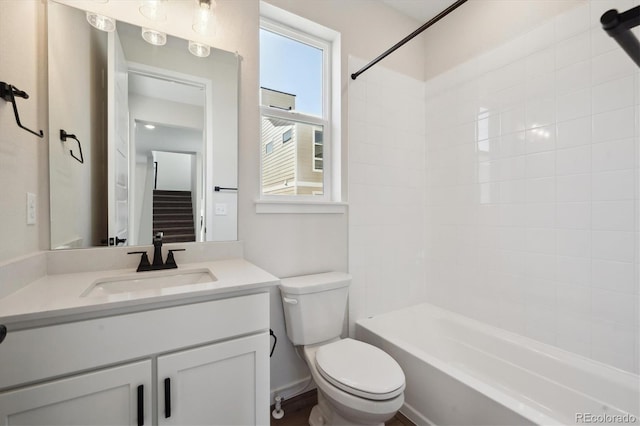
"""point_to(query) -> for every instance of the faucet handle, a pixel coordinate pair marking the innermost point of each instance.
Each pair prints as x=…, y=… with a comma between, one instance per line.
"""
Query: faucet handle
x=171, y=261
x=144, y=260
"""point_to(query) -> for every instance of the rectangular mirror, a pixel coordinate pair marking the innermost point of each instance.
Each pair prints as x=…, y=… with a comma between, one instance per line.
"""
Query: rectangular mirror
x=141, y=136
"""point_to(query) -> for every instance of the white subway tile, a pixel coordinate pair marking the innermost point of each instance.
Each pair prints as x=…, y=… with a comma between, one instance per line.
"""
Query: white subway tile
x=540, y=63
x=614, y=276
x=539, y=112
x=613, y=306
x=540, y=165
x=512, y=191
x=512, y=144
x=574, y=299
x=574, y=49
x=541, y=139
x=541, y=215
x=613, y=215
x=614, y=344
x=572, y=161
x=540, y=240
x=574, y=132
x=611, y=65
x=613, y=245
x=614, y=155
x=617, y=124
x=574, y=105
x=615, y=185
x=512, y=120
x=573, y=188
x=573, y=270
x=574, y=332
x=573, y=77
x=573, y=242
x=538, y=265
x=613, y=94
x=541, y=190
x=573, y=215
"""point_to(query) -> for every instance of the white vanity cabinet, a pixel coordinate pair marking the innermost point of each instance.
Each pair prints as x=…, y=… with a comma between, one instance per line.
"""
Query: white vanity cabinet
x=208, y=362
x=114, y=396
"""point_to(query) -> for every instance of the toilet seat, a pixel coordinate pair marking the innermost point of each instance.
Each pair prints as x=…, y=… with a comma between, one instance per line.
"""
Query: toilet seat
x=360, y=369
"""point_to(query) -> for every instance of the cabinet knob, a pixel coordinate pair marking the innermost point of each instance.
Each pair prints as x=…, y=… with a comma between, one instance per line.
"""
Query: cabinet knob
x=3, y=332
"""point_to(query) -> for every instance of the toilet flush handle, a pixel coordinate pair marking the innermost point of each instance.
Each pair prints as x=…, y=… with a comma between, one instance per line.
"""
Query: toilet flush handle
x=290, y=300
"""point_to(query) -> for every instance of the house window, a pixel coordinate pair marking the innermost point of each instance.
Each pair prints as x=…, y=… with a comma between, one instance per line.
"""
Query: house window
x=268, y=149
x=317, y=150
x=286, y=136
x=295, y=103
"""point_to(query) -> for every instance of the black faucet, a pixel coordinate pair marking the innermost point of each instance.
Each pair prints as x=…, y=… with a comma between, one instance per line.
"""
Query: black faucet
x=157, y=263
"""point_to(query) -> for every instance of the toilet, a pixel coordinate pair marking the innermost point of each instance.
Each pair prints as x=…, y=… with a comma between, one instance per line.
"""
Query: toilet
x=358, y=384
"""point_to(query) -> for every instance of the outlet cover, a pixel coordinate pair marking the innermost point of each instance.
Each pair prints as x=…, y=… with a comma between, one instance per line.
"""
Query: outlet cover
x=221, y=209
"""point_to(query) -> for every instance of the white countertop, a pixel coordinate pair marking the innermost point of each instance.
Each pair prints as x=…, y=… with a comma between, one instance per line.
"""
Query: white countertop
x=58, y=298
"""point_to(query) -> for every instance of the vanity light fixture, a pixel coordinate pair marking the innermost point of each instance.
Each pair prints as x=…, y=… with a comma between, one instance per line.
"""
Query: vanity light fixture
x=154, y=37
x=200, y=50
x=203, y=17
x=101, y=22
x=154, y=10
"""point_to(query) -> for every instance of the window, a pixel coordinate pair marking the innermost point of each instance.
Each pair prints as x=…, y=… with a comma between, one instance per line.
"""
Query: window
x=295, y=105
x=286, y=136
x=317, y=150
x=268, y=149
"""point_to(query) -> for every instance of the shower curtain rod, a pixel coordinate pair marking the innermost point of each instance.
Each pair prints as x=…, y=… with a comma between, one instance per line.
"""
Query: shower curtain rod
x=396, y=46
x=618, y=25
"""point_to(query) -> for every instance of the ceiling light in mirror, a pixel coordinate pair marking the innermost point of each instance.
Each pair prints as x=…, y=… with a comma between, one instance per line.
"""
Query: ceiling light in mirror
x=101, y=22
x=150, y=126
x=154, y=10
x=203, y=17
x=154, y=37
x=199, y=49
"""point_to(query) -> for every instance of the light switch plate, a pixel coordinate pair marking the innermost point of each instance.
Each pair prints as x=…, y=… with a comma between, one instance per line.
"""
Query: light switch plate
x=31, y=208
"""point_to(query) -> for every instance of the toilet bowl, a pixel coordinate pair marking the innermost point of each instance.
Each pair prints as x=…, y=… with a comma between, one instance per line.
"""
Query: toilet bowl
x=360, y=396
x=358, y=384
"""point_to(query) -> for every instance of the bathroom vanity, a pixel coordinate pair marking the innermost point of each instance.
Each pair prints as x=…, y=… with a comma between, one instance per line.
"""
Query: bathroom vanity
x=172, y=355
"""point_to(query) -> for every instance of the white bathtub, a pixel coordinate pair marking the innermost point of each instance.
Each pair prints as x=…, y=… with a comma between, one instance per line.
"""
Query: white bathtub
x=462, y=372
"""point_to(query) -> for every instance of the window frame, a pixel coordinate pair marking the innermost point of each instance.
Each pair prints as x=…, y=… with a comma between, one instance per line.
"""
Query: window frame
x=324, y=121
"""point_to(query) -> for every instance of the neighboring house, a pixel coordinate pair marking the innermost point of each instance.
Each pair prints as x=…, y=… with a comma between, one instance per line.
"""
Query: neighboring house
x=292, y=151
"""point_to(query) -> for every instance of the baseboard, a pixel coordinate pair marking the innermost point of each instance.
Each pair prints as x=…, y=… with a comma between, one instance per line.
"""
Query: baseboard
x=291, y=390
x=414, y=416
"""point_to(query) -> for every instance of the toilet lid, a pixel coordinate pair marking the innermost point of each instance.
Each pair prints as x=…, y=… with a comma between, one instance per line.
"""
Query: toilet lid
x=360, y=369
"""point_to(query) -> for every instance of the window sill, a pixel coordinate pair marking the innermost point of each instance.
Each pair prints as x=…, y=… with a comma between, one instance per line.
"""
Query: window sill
x=300, y=207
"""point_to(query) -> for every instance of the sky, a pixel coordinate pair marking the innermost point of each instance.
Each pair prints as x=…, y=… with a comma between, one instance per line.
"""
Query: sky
x=289, y=66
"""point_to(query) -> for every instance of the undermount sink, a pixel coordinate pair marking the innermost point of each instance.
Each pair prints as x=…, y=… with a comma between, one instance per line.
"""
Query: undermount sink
x=148, y=281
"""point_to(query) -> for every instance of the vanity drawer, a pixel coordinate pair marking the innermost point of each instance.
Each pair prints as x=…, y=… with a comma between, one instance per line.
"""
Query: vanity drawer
x=40, y=353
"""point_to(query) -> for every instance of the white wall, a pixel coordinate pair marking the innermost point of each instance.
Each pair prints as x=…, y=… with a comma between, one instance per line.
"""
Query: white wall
x=174, y=171
x=24, y=161
x=532, y=177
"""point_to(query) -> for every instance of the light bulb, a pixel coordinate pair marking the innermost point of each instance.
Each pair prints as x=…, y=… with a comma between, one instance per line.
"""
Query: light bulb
x=154, y=10
x=199, y=49
x=101, y=22
x=154, y=37
x=203, y=17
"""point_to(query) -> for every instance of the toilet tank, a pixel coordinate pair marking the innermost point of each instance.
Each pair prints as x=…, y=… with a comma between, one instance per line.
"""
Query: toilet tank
x=314, y=306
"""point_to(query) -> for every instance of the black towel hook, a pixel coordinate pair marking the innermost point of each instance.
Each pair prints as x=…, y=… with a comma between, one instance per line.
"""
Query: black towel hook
x=64, y=136
x=8, y=93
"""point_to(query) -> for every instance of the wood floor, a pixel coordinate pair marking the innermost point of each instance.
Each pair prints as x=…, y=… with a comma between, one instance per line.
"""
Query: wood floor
x=297, y=412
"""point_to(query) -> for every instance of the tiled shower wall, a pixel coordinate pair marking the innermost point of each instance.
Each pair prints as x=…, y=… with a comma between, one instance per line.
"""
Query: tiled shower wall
x=532, y=216
x=386, y=191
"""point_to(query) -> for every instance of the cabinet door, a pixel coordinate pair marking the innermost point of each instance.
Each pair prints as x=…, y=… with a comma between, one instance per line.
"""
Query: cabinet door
x=105, y=397
x=221, y=384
